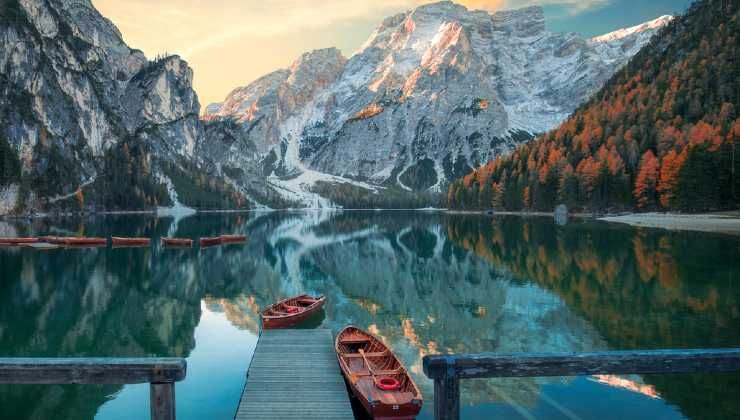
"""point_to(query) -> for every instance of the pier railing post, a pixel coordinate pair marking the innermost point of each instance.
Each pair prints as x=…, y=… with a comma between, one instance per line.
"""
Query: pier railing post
x=162, y=400
x=446, y=391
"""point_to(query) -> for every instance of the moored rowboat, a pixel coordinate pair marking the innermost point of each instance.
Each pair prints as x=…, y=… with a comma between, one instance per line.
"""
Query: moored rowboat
x=118, y=241
x=183, y=242
x=18, y=241
x=216, y=240
x=233, y=239
x=74, y=240
x=291, y=311
x=83, y=241
x=376, y=376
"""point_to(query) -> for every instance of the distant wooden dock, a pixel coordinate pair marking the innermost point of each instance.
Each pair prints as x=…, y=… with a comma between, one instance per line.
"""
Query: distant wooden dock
x=294, y=374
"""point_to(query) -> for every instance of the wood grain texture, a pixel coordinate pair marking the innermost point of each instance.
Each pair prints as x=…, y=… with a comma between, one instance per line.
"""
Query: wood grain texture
x=490, y=365
x=294, y=374
x=100, y=370
x=447, y=398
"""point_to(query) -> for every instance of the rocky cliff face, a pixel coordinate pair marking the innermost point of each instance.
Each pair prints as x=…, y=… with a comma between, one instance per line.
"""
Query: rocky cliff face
x=433, y=92
x=75, y=101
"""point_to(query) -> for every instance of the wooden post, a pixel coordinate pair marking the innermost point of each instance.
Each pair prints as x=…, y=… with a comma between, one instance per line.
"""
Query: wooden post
x=447, y=394
x=162, y=400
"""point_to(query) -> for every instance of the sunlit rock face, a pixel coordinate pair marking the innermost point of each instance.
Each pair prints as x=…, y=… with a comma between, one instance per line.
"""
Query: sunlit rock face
x=71, y=89
x=433, y=92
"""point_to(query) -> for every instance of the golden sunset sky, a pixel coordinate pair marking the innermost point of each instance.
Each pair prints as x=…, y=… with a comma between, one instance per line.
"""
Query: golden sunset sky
x=229, y=43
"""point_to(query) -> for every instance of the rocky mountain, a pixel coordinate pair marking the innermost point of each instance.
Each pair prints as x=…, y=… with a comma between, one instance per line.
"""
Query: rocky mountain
x=88, y=121
x=434, y=92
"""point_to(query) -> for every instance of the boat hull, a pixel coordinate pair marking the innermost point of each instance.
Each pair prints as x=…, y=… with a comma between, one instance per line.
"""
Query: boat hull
x=84, y=241
x=205, y=242
x=365, y=361
x=130, y=241
x=18, y=241
x=289, y=320
x=233, y=239
x=177, y=242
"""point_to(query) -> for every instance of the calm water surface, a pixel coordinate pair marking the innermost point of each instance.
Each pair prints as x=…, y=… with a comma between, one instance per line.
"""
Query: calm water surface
x=425, y=282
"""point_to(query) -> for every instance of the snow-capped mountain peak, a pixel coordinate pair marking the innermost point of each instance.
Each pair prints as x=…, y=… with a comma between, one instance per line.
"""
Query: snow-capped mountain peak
x=433, y=92
x=637, y=29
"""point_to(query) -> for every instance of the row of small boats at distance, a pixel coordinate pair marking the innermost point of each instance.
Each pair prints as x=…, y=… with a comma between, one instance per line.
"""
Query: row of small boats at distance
x=120, y=241
x=375, y=375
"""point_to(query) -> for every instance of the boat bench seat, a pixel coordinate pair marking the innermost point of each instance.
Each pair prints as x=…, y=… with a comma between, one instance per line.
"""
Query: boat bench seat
x=354, y=340
x=307, y=302
x=387, y=372
x=372, y=354
x=366, y=372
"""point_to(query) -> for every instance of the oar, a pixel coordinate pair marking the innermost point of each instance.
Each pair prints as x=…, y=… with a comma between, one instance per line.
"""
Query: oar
x=367, y=363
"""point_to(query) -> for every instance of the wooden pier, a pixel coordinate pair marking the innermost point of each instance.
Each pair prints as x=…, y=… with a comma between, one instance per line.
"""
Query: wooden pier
x=295, y=373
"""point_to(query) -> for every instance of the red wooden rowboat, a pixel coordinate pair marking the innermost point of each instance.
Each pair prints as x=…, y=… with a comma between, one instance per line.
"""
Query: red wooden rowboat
x=74, y=240
x=83, y=241
x=216, y=240
x=233, y=239
x=376, y=376
x=118, y=241
x=182, y=242
x=291, y=311
x=18, y=241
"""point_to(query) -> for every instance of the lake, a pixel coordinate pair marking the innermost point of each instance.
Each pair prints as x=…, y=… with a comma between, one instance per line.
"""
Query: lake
x=425, y=282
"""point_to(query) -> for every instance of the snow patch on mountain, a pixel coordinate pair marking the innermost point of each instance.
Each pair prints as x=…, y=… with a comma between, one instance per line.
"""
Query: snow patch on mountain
x=177, y=210
x=637, y=29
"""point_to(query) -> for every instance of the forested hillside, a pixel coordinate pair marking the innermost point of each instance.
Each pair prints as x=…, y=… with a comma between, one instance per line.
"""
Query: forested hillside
x=660, y=135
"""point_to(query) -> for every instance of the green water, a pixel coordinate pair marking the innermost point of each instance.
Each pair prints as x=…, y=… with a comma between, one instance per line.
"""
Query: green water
x=425, y=282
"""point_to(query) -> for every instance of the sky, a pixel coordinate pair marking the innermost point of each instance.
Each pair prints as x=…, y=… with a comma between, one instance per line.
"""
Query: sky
x=229, y=43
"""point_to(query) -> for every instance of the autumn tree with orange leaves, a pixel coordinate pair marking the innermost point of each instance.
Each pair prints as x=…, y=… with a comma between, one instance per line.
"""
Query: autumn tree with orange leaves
x=647, y=181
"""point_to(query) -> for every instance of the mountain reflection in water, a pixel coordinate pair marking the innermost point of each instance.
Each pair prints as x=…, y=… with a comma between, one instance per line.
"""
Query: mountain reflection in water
x=425, y=282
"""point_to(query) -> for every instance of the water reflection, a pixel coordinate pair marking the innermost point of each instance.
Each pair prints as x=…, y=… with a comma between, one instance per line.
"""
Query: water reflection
x=424, y=282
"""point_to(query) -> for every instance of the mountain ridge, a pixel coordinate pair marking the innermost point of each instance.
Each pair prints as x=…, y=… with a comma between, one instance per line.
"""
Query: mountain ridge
x=400, y=112
x=92, y=124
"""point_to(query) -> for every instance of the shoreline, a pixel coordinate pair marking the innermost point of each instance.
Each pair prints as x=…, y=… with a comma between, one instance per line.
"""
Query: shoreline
x=156, y=213
x=722, y=222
